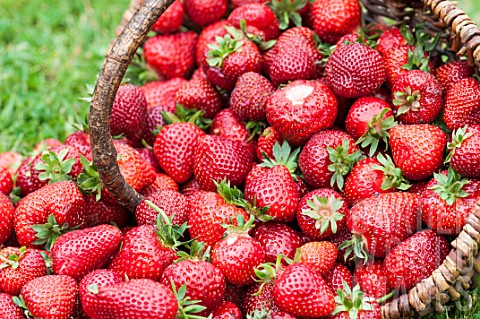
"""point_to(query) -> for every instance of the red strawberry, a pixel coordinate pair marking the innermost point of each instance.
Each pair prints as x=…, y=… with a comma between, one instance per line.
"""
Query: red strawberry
x=46, y=144
x=351, y=303
x=462, y=104
x=372, y=278
x=390, y=38
x=200, y=95
x=447, y=201
x=249, y=96
x=7, y=212
x=171, y=55
x=80, y=251
x=227, y=310
x=8, y=308
x=334, y=18
x=302, y=292
x=173, y=203
x=43, y=215
x=228, y=125
x=205, y=12
x=321, y=213
x=417, y=97
x=162, y=182
x=355, y=70
x=80, y=140
x=266, y=142
x=206, y=37
x=464, y=154
x=291, y=64
x=238, y=254
x=104, y=212
x=11, y=161
x=344, y=234
x=259, y=296
x=239, y=3
x=337, y=276
x=313, y=107
x=18, y=267
x=51, y=296
x=153, y=124
x=128, y=113
x=6, y=181
x=381, y=222
x=24, y=179
x=174, y=148
x=218, y=158
x=452, y=72
x=417, y=149
x=171, y=20
x=260, y=19
x=149, y=156
x=162, y=93
x=321, y=255
x=415, y=259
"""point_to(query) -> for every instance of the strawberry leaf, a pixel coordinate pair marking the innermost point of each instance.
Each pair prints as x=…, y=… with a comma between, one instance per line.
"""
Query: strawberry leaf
x=393, y=175
x=342, y=162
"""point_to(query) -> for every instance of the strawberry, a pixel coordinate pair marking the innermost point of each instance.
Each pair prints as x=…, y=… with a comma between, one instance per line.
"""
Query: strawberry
x=291, y=64
x=313, y=107
x=43, y=215
x=327, y=157
x=24, y=179
x=462, y=104
x=452, y=72
x=149, y=156
x=162, y=93
x=447, y=201
x=7, y=212
x=381, y=222
x=321, y=255
x=153, y=124
x=6, y=181
x=355, y=70
x=128, y=113
x=162, y=182
x=11, y=161
x=8, y=308
x=51, y=296
x=249, y=96
x=334, y=18
x=171, y=20
x=260, y=20
x=204, y=12
x=227, y=310
x=343, y=235
x=417, y=149
x=239, y=3
x=46, y=144
x=174, y=148
x=80, y=140
x=301, y=291
x=259, y=296
x=238, y=254
x=171, y=55
x=372, y=278
x=417, y=97
x=18, y=267
x=464, y=151
x=337, y=276
x=200, y=95
x=415, y=259
x=206, y=37
x=104, y=212
x=173, y=203
x=266, y=142
x=218, y=158
x=80, y=251
x=351, y=303
x=390, y=38
x=278, y=239
x=321, y=212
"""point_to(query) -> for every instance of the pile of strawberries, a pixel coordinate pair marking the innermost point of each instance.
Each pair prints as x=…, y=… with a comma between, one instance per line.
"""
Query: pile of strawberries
x=293, y=164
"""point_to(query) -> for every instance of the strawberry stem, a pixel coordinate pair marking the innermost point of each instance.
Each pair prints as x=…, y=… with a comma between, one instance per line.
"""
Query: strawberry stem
x=458, y=137
x=393, y=175
x=342, y=162
x=450, y=187
x=49, y=232
x=283, y=156
x=55, y=167
x=377, y=130
x=325, y=212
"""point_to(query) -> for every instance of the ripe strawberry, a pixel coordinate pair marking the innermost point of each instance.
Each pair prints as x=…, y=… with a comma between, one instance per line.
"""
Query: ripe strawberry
x=7, y=212
x=301, y=291
x=355, y=70
x=344, y=234
x=381, y=222
x=80, y=251
x=171, y=20
x=417, y=97
x=218, y=158
x=351, y=303
x=239, y=3
x=24, y=179
x=462, y=104
x=447, y=201
x=80, y=140
x=249, y=96
x=321, y=213
x=171, y=55
x=51, y=296
x=104, y=212
x=327, y=157
x=390, y=38
x=464, y=154
x=259, y=296
x=314, y=107
x=372, y=278
x=200, y=95
x=8, y=308
x=204, y=12
x=206, y=37
x=278, y=239
x=226, y=253
x=415, y=259
x=46, y=144
x=149, y=156
x=334, y=18
x=266, y=142
x=11, y=161
x=43, y=215
x=18, y=267
x=337, y=276
x=417, y=149
x=174, y=148
x=452, y=72
x=227, y=310
x=128, y=113
x=291, y=64
x=173, y=203
x=261, y=21
x=162, y=182
x=140, y=298
x=6, y=181
x=162, y=93
x=321, y=255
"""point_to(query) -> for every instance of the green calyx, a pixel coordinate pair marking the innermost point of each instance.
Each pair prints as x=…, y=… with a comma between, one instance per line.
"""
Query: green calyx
x=352, y=301
x=450, y=187
x=458, y=137
x=49, y=232
x=377, y=130
x=89, y=180
x=242, y=226
x=393, y=175
x=243, y=33
x=419, y=38
x=417, y=60
x=325, y=212
x=12, y=260
x=255, y=128
x=286, y=11
x=283, y=156
x=182, y=115
x=198, y=251
x=55, y=167
x=407, y=101
x=222, y=49
x=187, y=308
x=355, y=248
x=139, y=72
x=259, y=314
x=342, y=162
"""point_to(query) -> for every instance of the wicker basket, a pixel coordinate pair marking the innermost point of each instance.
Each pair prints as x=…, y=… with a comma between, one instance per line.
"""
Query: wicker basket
x=456, y=274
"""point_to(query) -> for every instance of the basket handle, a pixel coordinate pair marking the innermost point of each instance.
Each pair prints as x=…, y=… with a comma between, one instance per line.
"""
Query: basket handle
x=114, y=67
